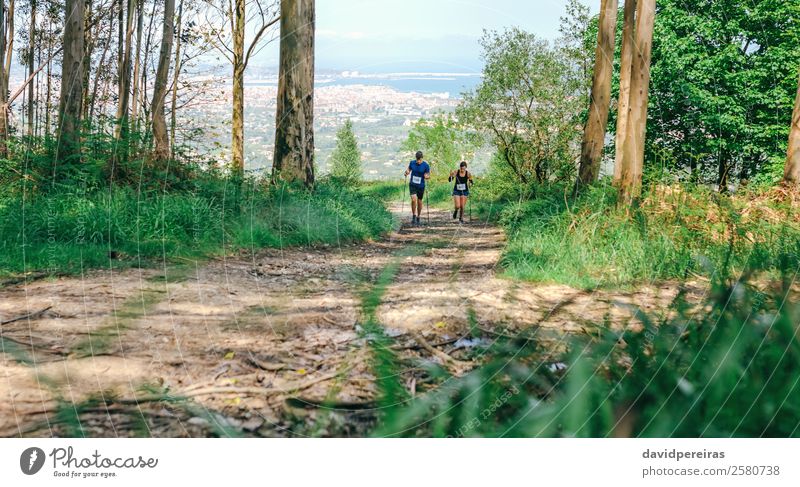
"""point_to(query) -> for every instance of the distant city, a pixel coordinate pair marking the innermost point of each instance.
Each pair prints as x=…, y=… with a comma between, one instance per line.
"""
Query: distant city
x=382, y=107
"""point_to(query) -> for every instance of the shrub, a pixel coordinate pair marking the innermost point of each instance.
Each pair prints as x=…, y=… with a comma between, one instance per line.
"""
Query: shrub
x=346, y=158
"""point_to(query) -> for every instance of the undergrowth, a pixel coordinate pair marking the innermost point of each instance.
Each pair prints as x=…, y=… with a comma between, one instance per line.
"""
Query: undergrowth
x=724, y=367
x=67, y=230
x=675, y=232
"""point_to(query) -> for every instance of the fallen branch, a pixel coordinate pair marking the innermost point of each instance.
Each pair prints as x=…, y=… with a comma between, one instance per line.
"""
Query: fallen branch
x=329, y=320
x=187, y=394
x=29, y=316
x=271, y=367
x=24, y=278
x=208, y=391
x=306, y=403
x=445, y=358
x=42, y=348
x=496, y=333
x=313, y=382
x=417, y=346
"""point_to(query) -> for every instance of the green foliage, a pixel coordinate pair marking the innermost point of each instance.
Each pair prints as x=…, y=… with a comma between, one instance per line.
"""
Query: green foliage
x=386, y=191
x=346, y=158
x=724, y=78
x=444, y=140
x=34, y=164
x=590, y=241
x=528, y=105
x=578, y=40
x=71, y=230
x=726, y=372
x=502, y=184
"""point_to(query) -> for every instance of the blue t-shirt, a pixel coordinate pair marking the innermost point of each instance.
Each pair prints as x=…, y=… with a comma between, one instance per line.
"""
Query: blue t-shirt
x=418, y=172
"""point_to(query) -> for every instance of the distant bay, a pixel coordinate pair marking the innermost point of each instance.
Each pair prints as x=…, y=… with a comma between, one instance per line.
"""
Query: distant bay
x=432, y=83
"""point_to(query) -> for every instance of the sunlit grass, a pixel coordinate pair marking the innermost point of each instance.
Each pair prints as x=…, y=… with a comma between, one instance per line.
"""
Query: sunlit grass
x=591, y=241
x=64, y=232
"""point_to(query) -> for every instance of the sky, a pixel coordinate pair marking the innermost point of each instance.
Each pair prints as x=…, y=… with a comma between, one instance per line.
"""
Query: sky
x=420, y=35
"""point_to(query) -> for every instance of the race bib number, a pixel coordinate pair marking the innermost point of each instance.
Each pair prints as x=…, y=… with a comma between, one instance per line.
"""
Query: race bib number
x=461, y=187
x=416, y=179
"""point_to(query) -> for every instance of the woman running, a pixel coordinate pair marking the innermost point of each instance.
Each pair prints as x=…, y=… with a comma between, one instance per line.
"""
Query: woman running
x=461, y=190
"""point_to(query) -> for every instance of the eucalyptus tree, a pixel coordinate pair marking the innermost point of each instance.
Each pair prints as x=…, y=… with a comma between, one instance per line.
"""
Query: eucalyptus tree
x=633, y=148
x=229, y=24
x=161, y=151
x=125, y=66
x=69, y=111
x=626, y=62
x=6, y=56
x=791, y=172
x=594, y=134
x=294, y=125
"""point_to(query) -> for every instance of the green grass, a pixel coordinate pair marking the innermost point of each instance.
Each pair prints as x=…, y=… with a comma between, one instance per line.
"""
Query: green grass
x=68, y=231
x=591, y=242
x=438, y=193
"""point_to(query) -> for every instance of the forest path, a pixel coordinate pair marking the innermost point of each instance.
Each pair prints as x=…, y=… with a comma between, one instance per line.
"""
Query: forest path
x=253, y=344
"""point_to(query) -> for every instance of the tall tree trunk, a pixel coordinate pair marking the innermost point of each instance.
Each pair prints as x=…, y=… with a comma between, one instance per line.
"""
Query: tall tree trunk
x=88, y=43
x=136, y=81
x=723, y=174
x=69, y=110
x=91, y=100
x=161, y=151
x=9, y=48
x=37, y=113
x=145, y=105
x=31, y=60
x=594, y=133
x=633, y=151
x=791, y=171
x=294, y=133
x=175, y=78
x=8, y=53
x=121, y=130
x=120, y=40
x=48, y=103
x=3, y=82
x=623, y=104
x=237, y=113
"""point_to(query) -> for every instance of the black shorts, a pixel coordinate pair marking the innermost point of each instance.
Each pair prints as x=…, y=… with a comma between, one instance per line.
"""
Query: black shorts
x=416, y=190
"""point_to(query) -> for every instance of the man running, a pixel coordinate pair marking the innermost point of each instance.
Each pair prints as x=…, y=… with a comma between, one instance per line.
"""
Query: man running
x=420, y=172
x=461, y=190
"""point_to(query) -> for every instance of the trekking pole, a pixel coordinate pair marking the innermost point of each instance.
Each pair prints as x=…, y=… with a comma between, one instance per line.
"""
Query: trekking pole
x=469, y=202
x=403, y=197
x=428, y=206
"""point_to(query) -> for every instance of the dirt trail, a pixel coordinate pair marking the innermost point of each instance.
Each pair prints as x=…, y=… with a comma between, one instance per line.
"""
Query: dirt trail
x=251, y=344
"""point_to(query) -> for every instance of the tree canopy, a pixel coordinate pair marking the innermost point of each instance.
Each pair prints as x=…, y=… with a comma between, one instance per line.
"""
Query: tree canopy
x=724, y=78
